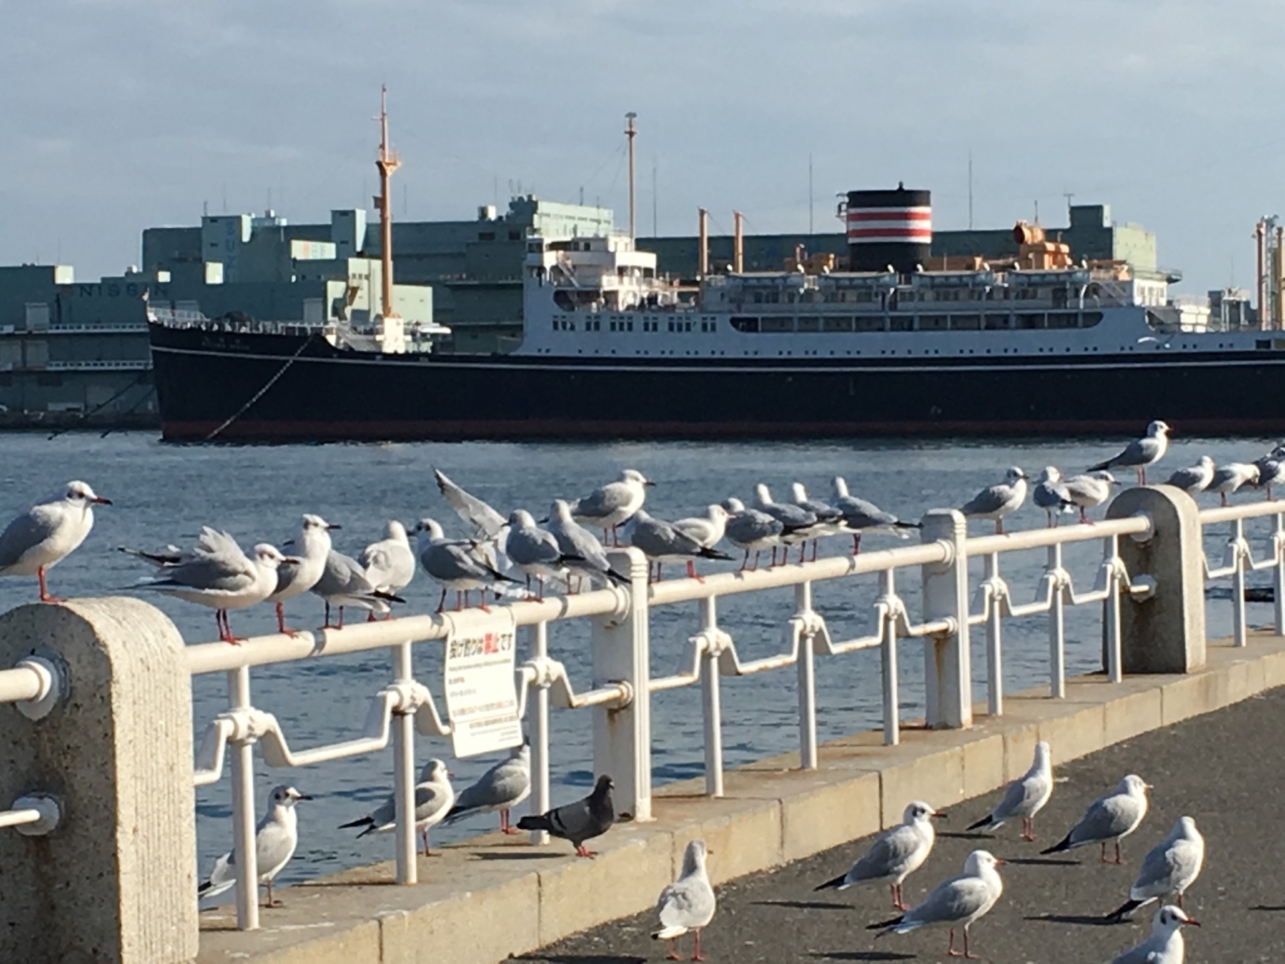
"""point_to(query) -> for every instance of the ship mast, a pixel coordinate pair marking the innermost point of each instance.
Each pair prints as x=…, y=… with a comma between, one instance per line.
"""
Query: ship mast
x=387, y=163
x=630, y=132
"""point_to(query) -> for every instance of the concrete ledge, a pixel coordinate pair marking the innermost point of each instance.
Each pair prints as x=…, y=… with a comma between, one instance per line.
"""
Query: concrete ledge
x=771, y=813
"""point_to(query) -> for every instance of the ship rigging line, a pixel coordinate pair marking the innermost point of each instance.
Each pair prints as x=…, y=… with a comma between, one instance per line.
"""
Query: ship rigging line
x=98, y=408
x=261, y=392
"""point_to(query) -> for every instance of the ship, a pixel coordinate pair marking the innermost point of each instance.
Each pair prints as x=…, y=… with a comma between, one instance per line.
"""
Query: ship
x=887, y=344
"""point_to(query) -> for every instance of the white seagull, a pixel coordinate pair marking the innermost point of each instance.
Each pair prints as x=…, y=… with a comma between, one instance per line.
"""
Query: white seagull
x=41, y=537
x=896, y=855
x=1049, y=494
x=613, y=504
x=1109, y=819
x=1169, y=868
x=434, y=798
x=1195, y=478
x=1165, y=945
x=275, y=840
x=1140, y=453
x=500, y=788
x=344, y=583
x=688, y=904
x=997, y=501
x=296, y=578
x=576, y=541
x=1231, y=476
x=861, y=515
x=453, y=564
x=1089, y=491
x=1025, y=797
x=389, y=563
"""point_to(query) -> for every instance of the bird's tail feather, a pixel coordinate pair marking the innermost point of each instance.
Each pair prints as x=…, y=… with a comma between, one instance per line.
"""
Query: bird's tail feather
x=839, y=883
x=387, y=596
x=1125, y=909
x=890, y=922
x=984, y=822
x=363, y=822
x=616, y=577
x=534, y=822
x=713, y=554
x=1057, y=848
x=668, y=933
x=1101, y=465
x=899, y=524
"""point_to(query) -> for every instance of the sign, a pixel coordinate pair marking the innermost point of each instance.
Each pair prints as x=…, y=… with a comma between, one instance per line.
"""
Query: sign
x=481, y=690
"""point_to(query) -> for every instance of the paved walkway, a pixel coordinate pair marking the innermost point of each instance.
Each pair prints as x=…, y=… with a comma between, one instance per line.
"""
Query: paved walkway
x=1226, y=769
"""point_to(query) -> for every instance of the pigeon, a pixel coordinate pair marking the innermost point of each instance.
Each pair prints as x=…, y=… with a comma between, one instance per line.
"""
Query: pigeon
x=434, y=798
x=895, y=855
x=1050, y=494
x=1196, y=478
x=534, y=551
x=1140, y=453
x=1231, y=476
x=860, y=516
x=1169, y=868
x=1025, y=797
x=997, y=501
x=1090, y=491
x=579, y=821
x=389, y=563
x=500, y=788
x=613, y=504
x=452, y=564
x=275, y=840
x=1109, y=819
x=663, y=542
x=584, y=553
x=956, y=902
x=688, y=904
x=1165, y=944
x=344, y=583
x=47, y=533
x=750, y=529
x=296, y=578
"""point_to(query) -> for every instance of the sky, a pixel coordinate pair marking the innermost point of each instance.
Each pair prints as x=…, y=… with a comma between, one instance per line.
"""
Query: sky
x=124, y=114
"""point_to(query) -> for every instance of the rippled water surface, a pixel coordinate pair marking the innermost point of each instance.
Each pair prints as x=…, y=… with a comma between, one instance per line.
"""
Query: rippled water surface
x=165, y=493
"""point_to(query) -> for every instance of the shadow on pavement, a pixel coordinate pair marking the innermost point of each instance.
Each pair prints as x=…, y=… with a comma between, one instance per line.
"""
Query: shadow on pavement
x=488, y=855
x=1268, y=907
x=862, y=956
x=1041, y=862
x=1072, y=919
x=584, y=958
x=965, y=835
x=803, y=904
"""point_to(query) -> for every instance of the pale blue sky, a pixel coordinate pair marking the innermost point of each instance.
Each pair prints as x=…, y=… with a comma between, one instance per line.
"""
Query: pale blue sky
x=124, y=114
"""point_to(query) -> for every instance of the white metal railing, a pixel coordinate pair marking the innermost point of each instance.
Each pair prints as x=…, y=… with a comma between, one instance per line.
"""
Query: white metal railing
x=1239, y=561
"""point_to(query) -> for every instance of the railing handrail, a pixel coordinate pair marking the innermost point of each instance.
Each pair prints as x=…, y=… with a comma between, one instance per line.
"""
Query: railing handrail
x=1240, y=510
x=1136, y=525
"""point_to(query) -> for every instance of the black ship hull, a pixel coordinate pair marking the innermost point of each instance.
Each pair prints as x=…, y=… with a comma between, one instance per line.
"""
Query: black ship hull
x=250, y=387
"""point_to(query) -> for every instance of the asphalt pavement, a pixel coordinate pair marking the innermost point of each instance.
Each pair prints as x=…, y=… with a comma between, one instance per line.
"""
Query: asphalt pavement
x=1225, y=769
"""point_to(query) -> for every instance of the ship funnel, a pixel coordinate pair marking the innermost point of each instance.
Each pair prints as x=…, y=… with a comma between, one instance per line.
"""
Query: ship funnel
x=889, y=228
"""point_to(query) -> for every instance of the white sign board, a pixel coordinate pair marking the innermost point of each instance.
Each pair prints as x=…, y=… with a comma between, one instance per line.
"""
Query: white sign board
x=481, y=690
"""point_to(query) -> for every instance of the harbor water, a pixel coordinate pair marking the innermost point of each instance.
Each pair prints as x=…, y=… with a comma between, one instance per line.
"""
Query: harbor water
x=165, y=493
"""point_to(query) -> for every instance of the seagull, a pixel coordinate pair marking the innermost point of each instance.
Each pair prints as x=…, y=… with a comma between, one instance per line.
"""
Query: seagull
x=1170, y=867
x=613, y=504
x=216, y=573
x=861, y=516
x=800, y=524
x=707, y=529
x=275, y=840
x=296, y=578
x=688, y=903
x=1140, y=453
x=1165, y=945
x=1025, y=797
x=1109, y=819
x=433, y=801
x=389, y=563
x=997, y=501
x=453, y=565
x=579, y=544
x=579, y=821
x=1196, y=478
x=1271, y=471
x=895, y=855
x=830, y=520
x=534, y=551
x=1050, y=494
x=751, y=530
x=663, y=542
x=483, y=521
x=344, y=583
x=500, y=788
x=47, y=533
x=1231, y=476
x=1090, y=491
x=956, y=902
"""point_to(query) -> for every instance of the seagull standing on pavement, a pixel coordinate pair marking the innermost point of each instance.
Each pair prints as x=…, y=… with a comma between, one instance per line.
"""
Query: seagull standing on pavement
x=500, y=788
x=688, y=903
x=1140, y=453
x=1109, y=819
x=1025, y=797
x=895, y=855
x=1165, y=945
x=1169, y=868
x=434, y=798
x=997, y=501
x=45, y=534
x=275, y=840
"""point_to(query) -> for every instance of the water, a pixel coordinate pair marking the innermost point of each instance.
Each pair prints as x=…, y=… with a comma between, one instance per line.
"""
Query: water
x=166, y=493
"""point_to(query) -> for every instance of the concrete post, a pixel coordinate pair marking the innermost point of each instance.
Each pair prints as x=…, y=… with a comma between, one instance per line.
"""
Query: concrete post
x=948, y=679
x=1166, y=632
x=622, y=651
x=116, y=880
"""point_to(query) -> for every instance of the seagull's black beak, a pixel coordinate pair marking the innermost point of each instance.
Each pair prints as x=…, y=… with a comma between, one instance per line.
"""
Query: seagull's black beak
x=333, y=525
x=99, y=500
x=648, y=482
x=288, y=542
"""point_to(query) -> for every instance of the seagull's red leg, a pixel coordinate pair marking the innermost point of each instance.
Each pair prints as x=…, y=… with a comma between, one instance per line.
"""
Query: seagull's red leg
x=691, y=569
x=281, y=621
x=1104, y=853
x=999, y=527
x=950, y=948
x=370, y=615
x=341, y=618
x=1118, y=858
x=442, y=602
x=673, y=950
x=44, y=589
x=1083, y=516
x=746, y=561
x=698, y=956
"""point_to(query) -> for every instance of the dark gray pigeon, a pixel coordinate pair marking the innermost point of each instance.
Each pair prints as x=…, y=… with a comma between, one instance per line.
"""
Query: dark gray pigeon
x=579, y=821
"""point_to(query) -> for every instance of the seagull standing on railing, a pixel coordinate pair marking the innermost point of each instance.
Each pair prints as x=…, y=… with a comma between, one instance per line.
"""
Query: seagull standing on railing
x=296, y=578
x=389, y=563
x=535, y=552
x=216, y=573
x=829, y=519
x=1140, y=453
x=895, y=855
x=434, y=798
x=1230, y=477
x=574, y=540
x=688, y=904
x=800, y=524
x=1196, y=478
x=1025, y=797
x=275, y=840
x=39, y=538
x=486, y=525
x=997, y=501
x=344, y=583
x=1168, y=869
x=861, y=516
x=500, y=788
x=1049, y=493
x=751, y=530
x=454, y=565
x=707, y=529
x=1090, y=491
x=1165, y=944
x=1271, y=471
x=614, y=504
x=662, y=542
x=1109, y=819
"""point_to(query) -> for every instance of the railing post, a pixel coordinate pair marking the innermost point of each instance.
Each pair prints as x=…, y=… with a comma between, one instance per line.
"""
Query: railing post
x=404, y=773
x=621, y=653
x=994, y=640
x=1057, y=625
x=541, y=797
x=243, y=848
x=116, y=880
x=1278, y=572
x=1111, y=614
x=1239, y=631
x=948, y=685
x=712, y=702
x=807, y=681
x=888, y=660
x=1165, y=631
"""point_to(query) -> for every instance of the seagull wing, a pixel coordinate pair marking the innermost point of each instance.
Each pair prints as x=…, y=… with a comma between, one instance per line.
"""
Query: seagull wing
x=484, y=520
x=886, y=858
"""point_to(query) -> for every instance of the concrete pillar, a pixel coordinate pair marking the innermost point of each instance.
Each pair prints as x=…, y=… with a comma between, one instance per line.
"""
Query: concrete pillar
x=116, y=880
x=1166, y=632
x=948, y=681
x=622, y=651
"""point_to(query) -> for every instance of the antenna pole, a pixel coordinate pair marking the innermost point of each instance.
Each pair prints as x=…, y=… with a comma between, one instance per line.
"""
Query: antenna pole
x=630, y=131
x=387, y=162
x=810, y=221
x=970, y=190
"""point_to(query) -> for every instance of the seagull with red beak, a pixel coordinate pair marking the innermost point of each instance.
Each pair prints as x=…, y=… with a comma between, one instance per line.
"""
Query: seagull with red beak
x=47, y=533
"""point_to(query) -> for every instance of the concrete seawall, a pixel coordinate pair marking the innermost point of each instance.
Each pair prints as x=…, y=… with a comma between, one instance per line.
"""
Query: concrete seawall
x=492, y=897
